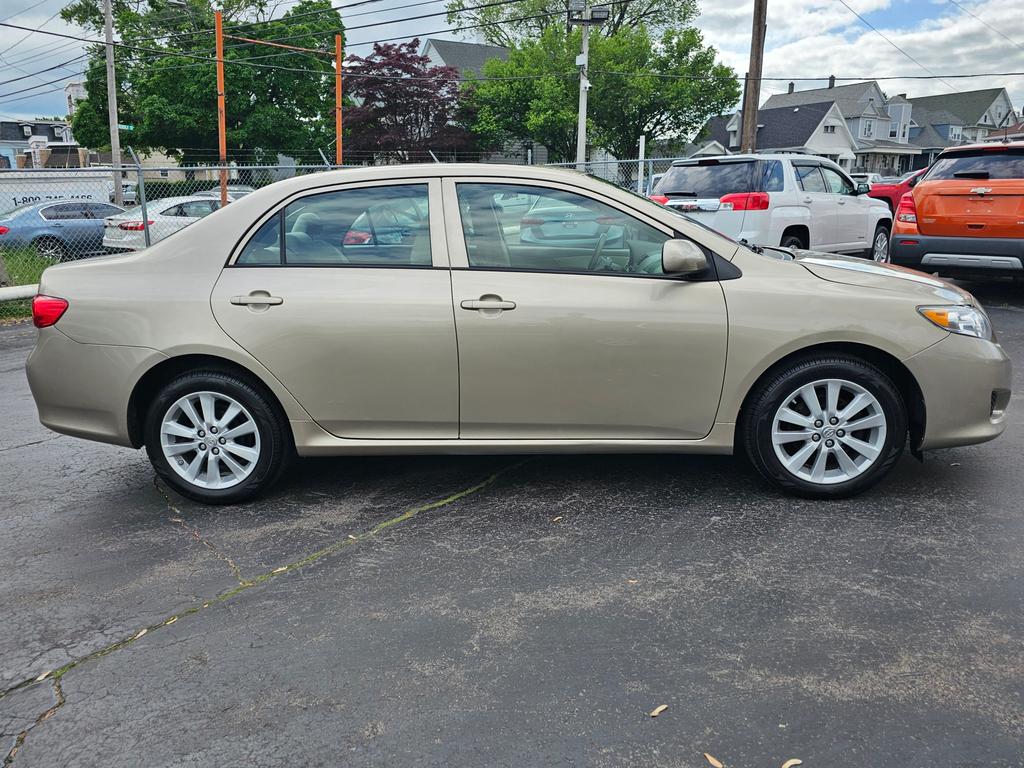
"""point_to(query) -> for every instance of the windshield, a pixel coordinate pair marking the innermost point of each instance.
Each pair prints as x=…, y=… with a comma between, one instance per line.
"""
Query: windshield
x=710, y=180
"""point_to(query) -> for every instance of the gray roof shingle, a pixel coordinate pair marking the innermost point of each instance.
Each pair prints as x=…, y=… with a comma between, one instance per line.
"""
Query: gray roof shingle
x=780, y=128
x=969, y=106
x=466, y=57
x=846, y=97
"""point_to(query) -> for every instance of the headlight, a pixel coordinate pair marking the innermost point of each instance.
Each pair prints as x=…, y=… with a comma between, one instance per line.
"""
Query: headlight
x=968, y=321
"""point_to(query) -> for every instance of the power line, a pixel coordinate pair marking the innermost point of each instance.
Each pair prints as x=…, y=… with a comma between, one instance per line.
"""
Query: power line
x=890, y=42
x=24, y=10
x=41, y=71
x=994, y=29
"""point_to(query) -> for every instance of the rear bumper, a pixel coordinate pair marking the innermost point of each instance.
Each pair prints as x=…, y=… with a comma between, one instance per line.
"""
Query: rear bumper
x=990, y=256
x=966, y=387
x=83, y=389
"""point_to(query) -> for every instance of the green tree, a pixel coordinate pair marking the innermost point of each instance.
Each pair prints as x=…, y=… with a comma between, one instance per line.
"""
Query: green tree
x=170, y=96
x=665, y=88
x=528, y=19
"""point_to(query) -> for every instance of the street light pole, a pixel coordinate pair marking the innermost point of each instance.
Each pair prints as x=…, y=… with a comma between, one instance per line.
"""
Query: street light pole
x=115, y=138
x=582, y=15
x=752, y=88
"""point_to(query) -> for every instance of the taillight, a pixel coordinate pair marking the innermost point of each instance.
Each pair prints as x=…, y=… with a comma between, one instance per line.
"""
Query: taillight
x=4, y=230
x=907, y=210
x=660, y=199
x=133, y=226
x=745, y=201
x=47, y=310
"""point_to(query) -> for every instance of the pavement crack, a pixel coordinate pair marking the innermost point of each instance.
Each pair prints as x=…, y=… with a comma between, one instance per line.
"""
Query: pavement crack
x=192, y=532
x=243, y=585
x=28, y=445
x=19, y=740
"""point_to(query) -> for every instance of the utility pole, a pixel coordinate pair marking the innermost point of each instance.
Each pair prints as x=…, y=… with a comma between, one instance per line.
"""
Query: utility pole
x=752, y=89
x=222, y=139
x=115, y=138
x=582, y=15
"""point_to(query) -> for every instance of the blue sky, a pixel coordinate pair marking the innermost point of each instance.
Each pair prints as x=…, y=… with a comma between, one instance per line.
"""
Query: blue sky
x=806, y=38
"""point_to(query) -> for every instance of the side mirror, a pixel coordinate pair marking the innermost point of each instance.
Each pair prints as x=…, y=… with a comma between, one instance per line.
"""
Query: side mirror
x=682, y=258
x=863, y=188
x=913, y=181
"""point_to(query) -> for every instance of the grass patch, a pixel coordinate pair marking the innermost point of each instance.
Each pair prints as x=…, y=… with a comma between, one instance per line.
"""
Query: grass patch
x=24, y=265
x=19, y=309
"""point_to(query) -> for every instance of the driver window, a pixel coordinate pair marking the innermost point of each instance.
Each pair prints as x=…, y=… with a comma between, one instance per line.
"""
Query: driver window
x=508, y=226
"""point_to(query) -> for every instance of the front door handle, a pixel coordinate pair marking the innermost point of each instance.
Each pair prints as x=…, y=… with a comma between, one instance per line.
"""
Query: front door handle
x=807, y=199
x=487, y=302
x=257, y=298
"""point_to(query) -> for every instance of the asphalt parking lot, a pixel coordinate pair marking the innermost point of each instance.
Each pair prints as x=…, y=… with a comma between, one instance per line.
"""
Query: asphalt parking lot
x=495, y=611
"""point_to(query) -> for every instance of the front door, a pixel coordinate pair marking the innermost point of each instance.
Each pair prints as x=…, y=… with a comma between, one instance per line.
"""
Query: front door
x=851, y=211
x=567, y=327
x=345, y=297
x=820, y=204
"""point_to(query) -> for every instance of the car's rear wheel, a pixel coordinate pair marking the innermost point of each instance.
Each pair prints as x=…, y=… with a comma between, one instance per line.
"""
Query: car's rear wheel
x=216, y=437
x=880, y=244
x=825, y=426
x=50, y=248
x=792, y=241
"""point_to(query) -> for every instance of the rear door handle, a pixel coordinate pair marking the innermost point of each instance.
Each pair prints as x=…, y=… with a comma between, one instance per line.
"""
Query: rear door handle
x=486, y=303
x=258, y=299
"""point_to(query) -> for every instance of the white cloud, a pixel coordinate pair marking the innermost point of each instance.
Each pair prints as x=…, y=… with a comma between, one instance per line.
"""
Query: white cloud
x=817, y=38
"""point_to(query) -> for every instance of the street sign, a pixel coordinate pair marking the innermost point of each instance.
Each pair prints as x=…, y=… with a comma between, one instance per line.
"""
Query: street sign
x=125, y=127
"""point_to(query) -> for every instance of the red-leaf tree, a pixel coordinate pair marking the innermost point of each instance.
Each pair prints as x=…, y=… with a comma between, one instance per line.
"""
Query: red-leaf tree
x=403, y=107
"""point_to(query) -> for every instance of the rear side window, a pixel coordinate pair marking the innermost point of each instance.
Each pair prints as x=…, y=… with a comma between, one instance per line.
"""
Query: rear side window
x=375, y=226
x=980, y=164
x=771, y=178
x=712, y=180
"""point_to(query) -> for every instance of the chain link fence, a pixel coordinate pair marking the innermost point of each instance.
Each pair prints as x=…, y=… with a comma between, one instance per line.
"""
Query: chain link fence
x=48, y=216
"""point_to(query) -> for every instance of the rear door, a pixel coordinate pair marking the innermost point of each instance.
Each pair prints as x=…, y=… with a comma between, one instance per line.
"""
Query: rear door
x=973, y=193
x=361, y=333
x=820, y=202
x=70, y=225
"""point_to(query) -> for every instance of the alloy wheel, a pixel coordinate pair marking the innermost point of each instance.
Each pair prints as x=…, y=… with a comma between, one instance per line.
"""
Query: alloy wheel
x=210, y=440
x=829, y=431
x=880, y=248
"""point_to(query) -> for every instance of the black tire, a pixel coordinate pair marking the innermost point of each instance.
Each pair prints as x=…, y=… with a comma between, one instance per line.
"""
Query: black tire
x=880, y=230
x=276, y=449
x=50, y=248
x=768, y=396
x=792, y=241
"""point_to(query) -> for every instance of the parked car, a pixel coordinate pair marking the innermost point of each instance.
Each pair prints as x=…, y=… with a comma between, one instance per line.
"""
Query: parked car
x=129, y=193
x=252, y=336
x=235, y=191
x=652, y=183
x=965, y=217
x=866, y=178
x=891, y=190
x=57, y=230
x=125, y=231
x=797, y=201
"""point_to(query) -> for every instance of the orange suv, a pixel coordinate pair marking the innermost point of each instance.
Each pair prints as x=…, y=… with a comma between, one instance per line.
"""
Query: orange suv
x=965, y=217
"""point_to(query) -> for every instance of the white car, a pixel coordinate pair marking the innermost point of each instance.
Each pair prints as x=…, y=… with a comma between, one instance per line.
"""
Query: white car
x=867, y=178
x=794, y=201
x=235, y=191
x=126, y=231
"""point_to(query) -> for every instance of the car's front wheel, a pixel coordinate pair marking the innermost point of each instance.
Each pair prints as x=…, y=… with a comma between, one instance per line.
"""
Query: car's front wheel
x=216, y=437
x=825, y=426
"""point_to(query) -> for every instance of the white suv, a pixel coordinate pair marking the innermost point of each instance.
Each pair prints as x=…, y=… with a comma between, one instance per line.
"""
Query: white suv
x=796, y=201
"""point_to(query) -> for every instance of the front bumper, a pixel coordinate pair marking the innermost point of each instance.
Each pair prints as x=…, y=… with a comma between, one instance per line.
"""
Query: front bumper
x=992, y=256
x=966, y=387
x=83, y=389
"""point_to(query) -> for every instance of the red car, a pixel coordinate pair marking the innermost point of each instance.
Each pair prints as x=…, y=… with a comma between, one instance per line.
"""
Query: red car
x=892, y=191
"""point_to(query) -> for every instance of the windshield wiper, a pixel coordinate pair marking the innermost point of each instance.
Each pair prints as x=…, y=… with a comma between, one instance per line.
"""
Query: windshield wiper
x=751, y=246
x=971, y=174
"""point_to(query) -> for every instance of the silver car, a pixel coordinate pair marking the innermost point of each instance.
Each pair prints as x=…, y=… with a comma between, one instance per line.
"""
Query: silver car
x=264, y=331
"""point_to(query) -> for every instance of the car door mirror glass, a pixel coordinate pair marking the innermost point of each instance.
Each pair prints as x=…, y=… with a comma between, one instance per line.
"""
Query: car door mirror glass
x=863, y=188
x=682, y=258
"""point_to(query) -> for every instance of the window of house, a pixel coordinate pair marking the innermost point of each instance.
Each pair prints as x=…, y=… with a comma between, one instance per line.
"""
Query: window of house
x=830, y=129
x=894, y=130
x=867, y=128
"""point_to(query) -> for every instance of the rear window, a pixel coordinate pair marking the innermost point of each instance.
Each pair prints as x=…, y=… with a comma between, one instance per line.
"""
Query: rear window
x=979, y=164
x=709, y=180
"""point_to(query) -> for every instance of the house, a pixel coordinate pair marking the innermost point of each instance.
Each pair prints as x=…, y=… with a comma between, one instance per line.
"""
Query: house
x=879, y=126
x=979, y=113
x=468, y=58
x=74, y=92
x=33, y=137
x=815, y=128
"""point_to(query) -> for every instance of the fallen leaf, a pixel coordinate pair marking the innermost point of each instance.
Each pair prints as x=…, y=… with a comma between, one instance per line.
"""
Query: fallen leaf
x=43, y=676
x=713, y=760
x=658, y=710
x=792, y=762
x=631, y=581
x=140, y=634
x=280, y=570
x=353, y=537
x=556, y=519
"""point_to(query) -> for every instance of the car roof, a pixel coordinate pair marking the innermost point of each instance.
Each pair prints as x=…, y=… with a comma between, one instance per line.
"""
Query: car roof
x=791, y=156
x=990, y=146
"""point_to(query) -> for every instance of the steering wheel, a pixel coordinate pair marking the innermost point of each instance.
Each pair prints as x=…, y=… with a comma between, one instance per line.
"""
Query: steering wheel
x=595, y=260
